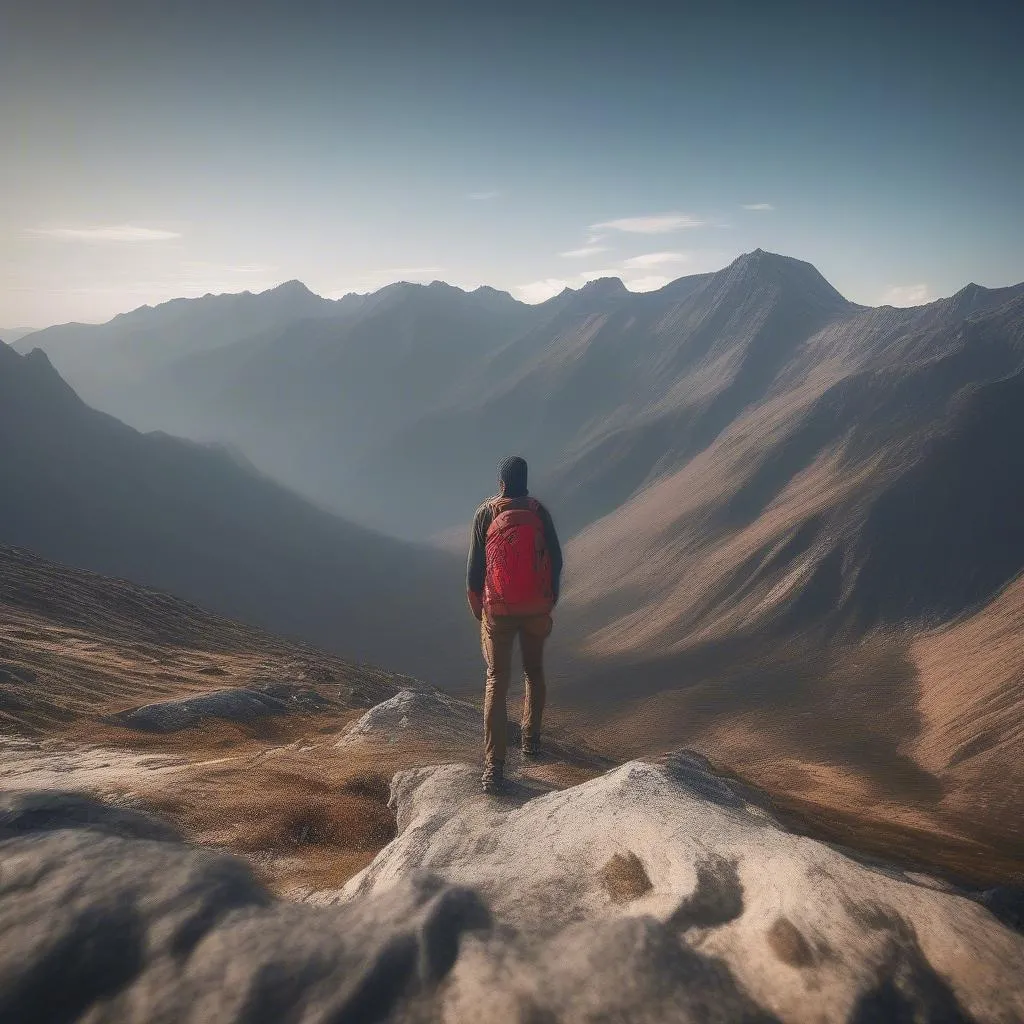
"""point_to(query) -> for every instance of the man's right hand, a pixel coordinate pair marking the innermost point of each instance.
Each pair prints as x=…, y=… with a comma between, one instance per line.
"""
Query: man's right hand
x=476, y=605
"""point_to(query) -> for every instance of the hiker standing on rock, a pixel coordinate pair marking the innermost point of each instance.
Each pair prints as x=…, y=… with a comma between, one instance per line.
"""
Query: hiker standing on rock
x=512, y=579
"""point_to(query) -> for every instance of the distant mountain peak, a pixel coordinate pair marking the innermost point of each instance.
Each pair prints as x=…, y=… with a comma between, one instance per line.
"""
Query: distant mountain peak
x=36, y=358
x=763, y=258
x=762, y=266
x=292, y=287
x=36, y=378
x=971, y=298
x=970, y=292
x=604, y=286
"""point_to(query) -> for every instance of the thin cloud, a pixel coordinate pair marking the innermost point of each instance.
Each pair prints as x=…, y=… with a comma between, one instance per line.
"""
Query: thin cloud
x=587, y=250
x=488, y=194
x=540, y=291
x=658, y=224
x=380, y=278
x=193, y=267
x=164, y=289
x=593, y=239
x=763, y=207
x=549, y=287
x=411, y=271
x=107, y=233
x=648, y=284
x=906, y=295
x=656, y=259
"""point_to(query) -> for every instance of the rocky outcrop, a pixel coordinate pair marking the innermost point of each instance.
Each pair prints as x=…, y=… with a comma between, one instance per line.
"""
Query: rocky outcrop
x=421, y=715
x=239, y=704
x=106, y=917
x=699, y=877
x=656, y=892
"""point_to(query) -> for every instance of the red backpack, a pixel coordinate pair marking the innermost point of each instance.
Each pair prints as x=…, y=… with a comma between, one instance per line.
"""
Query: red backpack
x=518, y=580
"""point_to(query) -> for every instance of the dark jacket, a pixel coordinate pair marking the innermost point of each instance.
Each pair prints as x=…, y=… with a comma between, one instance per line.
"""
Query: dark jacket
x=476, y=568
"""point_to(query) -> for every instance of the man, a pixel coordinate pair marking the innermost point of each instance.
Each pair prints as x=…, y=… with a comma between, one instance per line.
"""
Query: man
x=512, y=581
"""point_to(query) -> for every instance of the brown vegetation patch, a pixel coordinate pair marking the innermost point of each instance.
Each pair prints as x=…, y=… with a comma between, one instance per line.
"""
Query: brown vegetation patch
x=625, y=877
x=304, y=815
x=302, y=819
x=789, y=945
x=372, y=785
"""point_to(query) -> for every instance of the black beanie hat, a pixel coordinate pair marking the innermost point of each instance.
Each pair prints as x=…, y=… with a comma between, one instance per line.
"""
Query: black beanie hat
x=512, y=473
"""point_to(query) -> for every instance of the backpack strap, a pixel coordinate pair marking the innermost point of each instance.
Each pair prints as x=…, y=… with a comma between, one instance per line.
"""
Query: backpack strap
x=531, y=503
x=494, y=507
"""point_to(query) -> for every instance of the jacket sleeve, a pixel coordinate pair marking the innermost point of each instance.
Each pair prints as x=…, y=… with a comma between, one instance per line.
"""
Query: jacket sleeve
x=476, y=566
x=554, y=550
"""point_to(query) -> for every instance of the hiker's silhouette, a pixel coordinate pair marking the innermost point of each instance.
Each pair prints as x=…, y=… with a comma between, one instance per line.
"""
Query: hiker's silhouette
x=512, y=581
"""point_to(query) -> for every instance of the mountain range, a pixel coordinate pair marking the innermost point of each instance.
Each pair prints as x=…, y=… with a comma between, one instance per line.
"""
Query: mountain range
x=779, y=508
x=750, y=427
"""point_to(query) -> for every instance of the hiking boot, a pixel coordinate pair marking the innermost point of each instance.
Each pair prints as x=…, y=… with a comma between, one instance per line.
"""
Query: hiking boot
x=530, y=746
x=493, y=778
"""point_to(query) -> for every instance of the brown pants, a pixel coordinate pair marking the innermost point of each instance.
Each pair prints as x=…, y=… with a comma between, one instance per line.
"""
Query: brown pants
x=497, y=637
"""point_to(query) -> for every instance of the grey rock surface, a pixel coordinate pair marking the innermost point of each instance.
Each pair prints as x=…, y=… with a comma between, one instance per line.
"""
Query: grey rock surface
x=653, y=893
x=110, y=919
x=802, y=931
x=240, y=704
x=423, y=714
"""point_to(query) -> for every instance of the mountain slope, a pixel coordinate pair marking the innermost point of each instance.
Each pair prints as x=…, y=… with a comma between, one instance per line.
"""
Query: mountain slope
x=83, y=488
x=307, y=404
x=76, y=646
x=11, y=336
x=972, y=684
x=783, y=602
x=882, y=492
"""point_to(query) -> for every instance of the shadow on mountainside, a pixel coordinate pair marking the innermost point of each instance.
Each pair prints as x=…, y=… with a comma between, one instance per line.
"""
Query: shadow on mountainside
x=855, y=705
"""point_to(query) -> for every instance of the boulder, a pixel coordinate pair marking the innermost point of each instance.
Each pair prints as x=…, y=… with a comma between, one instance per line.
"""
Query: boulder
x=240, y=704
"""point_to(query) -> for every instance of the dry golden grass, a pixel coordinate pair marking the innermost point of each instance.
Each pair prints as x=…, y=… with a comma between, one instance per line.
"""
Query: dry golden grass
x=301, y=827
x=76, y=648
x=972, y=683
x=826, y=738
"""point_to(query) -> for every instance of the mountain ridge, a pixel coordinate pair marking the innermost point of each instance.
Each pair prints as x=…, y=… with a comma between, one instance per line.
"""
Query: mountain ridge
x=754, y=257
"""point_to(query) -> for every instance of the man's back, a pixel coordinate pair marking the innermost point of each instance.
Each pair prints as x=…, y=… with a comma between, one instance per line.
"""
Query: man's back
x=513, y=576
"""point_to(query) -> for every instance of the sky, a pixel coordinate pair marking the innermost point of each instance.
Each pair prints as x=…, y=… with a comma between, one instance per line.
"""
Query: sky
x=152, y=149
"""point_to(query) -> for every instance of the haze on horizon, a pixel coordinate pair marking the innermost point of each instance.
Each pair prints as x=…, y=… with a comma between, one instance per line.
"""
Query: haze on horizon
x=156, y=152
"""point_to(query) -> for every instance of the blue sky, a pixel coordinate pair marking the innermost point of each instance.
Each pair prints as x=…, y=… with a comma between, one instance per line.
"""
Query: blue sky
x=155, y=150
